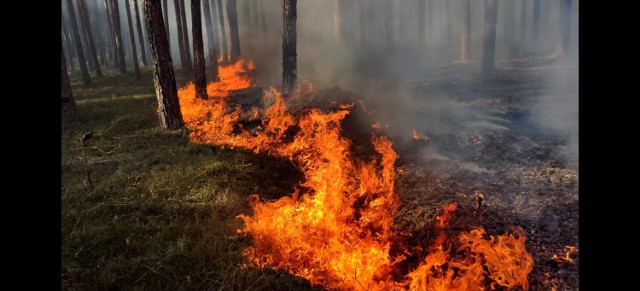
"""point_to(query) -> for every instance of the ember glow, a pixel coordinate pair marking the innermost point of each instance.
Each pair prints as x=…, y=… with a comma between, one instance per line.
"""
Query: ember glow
x=416, y=136
x=337, y=233
x=567, y=257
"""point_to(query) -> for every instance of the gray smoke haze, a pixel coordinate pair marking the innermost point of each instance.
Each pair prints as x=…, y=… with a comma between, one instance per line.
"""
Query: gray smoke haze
x=415, y=84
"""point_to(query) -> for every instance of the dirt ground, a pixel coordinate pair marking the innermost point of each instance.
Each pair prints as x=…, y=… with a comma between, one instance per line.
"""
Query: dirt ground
x=526, y=172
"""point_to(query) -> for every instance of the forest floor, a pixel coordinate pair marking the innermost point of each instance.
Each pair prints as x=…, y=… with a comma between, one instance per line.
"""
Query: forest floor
x=158, y=212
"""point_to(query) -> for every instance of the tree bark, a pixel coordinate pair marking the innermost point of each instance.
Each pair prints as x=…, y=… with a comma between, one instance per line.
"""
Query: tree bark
x=166, y=22
x=200, y=78
x=113, y=56
x=211, y=42
x=132, y=40
x=115, y=12
x=489, y=41
x=68, y=104
x=232, y=16
x=86, y=24
x=289, y=56
x=562, y=45
x=185, y=34
x=223, y=34
x=100, y=41
x=422, y=21
x=535, y=25
x=143, y=54
x=465, y=32
x=67, y=40
x=86, y=79
x=163, y=77
x=187, y=69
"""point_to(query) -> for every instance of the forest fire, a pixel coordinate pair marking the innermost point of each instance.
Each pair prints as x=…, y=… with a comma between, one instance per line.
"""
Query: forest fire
x=336, y=230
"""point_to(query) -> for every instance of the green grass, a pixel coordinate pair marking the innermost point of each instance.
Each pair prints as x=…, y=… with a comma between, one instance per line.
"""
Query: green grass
x=159, y=212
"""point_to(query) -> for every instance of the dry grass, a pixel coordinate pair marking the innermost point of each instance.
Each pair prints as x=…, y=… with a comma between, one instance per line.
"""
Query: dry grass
x=158, y=212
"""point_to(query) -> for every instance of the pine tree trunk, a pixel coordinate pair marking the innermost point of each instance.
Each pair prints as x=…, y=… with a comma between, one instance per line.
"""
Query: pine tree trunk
x=86, y=79
x=289, y=56
x=86, y=24
x=132, y=40
x=263, y=20
x=163, y=77
x=113, y=54
x=100, y=38
x=181, y=47
x=185, y=35
x=489, y=41
x=143, y=54
x=223, y=34
x=166, y=21
x=465, y=32
x=115, y=10
x=67, y=41
x=422, y=21
x=211, y=43
x=68, y=104
x=232, y=16
x=535, y=25
x=562, y=44
x=200, y=79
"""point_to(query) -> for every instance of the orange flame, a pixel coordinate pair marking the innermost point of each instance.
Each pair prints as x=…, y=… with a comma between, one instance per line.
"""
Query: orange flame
x=567, y=258
x=417, y=136
x=338, y=232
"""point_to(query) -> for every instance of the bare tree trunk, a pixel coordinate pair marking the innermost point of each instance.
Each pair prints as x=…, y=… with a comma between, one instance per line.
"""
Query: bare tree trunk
x=86, y=79
x=67, y=40
x=232, y=16
x=68, y=104
x=166, y=22
x=465, y=35
x=143, y=54
x=422, y=21
x=535, y=25
x=86, y=24
x=223, y=43
x=115, y=10
x=263, y=20
x=100, y=37
x=489, y=42
x=289, y=56
x=187, y=69
x=185, y=35
x=132, y=38
x=562, y=45
x=200, y=78
x=113, y=56
x=163, y=77
x=211, y=42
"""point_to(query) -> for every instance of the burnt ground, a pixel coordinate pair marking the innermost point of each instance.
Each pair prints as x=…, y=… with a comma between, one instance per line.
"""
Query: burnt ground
x=526, y=171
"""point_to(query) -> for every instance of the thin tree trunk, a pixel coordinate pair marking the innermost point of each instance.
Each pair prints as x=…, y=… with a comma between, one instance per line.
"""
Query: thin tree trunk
x=163, y=77
x=465, y=32
x=523, y=23
x=115, y=10
x=68, y=104
x=85, y=43
x=489, y=41
x=223, y=43
x=535, y=25
x=113, y=55
x=67, y=40
x=232, y=16
x=186, y=70
x=86, y=24
x=562, y=45
x=100, y=37
x=185, y=35
x=289, y=56
x=166, y=21
x=132, y=40
x=143, y=54
x=211, y=43
x=422, y=21
x=263, y=20
x=86, y=79
x=200, y=78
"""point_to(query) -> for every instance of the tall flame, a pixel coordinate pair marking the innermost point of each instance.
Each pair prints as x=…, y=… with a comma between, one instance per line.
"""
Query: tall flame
x=337, y=233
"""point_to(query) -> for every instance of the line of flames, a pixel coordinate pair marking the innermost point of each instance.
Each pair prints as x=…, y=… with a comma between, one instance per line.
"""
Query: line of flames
x=338, y=233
